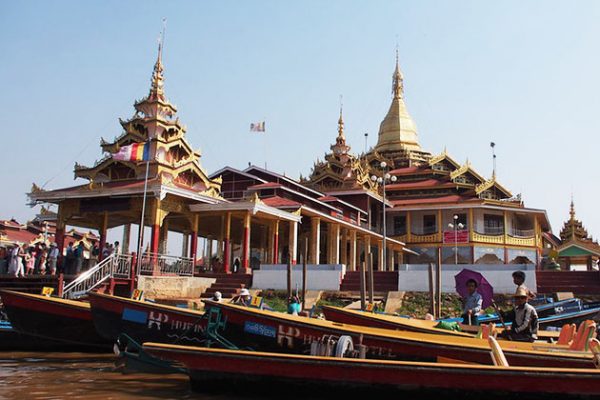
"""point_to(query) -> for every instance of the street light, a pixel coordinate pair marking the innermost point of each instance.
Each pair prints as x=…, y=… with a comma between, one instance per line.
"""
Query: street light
x=382, y=180
x=456, y=226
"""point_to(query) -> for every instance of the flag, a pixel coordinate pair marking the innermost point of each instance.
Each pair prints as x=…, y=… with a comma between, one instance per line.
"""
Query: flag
x=133, y=152
x=257, y=127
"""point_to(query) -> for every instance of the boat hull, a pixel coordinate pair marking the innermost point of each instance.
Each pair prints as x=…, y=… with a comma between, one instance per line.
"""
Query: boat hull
x=55, y=319
x=144, y=321
x=227, y=368
x=277, y=332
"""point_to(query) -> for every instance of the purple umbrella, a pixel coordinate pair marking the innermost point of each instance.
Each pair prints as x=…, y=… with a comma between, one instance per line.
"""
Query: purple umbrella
x=483, y=286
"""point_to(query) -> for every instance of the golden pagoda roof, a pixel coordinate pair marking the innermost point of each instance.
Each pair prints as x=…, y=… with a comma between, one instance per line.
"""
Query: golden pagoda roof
x=397, y=131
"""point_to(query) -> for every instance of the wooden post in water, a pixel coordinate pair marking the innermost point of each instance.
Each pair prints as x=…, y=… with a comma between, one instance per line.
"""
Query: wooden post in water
x=289, y=276
x=439, y=284
x=371, y=283
x=432, y=296
x=363, y=285
x=304, y=270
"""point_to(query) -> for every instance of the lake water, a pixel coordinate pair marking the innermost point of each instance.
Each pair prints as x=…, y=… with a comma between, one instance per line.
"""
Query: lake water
x=85, y=376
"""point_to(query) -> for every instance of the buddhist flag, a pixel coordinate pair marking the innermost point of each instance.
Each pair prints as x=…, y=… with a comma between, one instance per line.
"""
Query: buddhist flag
x=133, y=152
x=257, y=126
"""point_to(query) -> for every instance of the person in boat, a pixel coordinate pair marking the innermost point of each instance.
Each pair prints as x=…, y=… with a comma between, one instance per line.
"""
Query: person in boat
x=294, y=306
x=519, y=280
x=472, y=304
x=244, y=298
x=524, y=319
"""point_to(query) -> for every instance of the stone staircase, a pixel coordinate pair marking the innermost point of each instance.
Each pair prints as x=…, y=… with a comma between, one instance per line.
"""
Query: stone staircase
x=577, y=282
x=384, y=281
x=229, y=285
x=30, y=283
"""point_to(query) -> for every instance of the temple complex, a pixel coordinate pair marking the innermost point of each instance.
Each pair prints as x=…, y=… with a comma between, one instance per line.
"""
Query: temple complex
x=577, y=248
x=440, y=208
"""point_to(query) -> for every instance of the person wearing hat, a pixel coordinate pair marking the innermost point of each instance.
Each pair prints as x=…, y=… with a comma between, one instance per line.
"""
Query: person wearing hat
x=524, y=319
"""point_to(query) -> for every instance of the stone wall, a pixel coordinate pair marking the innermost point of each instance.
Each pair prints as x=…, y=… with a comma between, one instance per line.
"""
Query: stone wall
x=173, y=287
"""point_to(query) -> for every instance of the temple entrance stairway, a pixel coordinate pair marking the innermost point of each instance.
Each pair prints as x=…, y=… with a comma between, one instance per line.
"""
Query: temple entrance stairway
x=384, y=281
x=577, y=282
x=229, y=285
x=30, y=283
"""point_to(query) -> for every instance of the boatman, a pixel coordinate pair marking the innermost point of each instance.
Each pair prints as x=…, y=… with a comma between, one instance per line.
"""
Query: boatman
x=472, y=304
x=524, y=319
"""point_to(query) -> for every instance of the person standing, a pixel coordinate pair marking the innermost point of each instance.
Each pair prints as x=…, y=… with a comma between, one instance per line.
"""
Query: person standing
x=41, y=259
x=29, y=261
x=472, y=304
x=52, y=259
x=79, y=255
x=519, y=280
x=94, y=254
x=117, y=248
x=15, y=260
x=69, y=260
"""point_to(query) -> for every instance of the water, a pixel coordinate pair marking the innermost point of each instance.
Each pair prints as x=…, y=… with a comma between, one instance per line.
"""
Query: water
x=85, y=376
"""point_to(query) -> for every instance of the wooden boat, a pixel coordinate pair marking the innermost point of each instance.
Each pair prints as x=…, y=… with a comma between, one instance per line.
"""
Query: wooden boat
x=210, y=368
x=363, y=318
x=53, y=318
x=271, y=331
x=145, y=321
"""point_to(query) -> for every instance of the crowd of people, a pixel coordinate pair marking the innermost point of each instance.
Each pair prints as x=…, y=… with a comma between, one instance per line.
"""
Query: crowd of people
x=24, y=259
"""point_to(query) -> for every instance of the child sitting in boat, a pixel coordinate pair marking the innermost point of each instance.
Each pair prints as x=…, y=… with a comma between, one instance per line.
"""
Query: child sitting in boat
x=472, y=304
x=519, y=280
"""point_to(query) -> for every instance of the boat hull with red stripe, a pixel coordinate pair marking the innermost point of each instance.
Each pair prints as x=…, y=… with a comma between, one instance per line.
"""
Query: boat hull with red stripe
x=52, y=318
x=209, y=368
x=278, y=332
x=144, y=321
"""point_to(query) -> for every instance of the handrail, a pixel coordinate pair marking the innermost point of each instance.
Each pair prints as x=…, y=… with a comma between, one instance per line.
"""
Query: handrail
x=115, y=265
x=166, y=265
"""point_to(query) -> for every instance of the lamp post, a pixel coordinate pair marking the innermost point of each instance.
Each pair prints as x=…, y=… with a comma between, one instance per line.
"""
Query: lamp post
x=456, y=225
x=382, y=180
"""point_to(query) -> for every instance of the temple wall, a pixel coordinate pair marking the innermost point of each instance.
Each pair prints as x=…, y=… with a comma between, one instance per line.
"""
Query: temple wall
x=173, y=287
x=319, y=277
x=415, y=277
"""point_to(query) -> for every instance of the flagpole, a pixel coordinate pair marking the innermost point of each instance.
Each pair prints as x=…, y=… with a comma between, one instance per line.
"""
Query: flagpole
x=141, y=230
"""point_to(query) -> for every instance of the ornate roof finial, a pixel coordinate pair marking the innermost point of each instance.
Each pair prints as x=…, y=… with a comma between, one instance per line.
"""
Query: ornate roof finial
x=341, y=120
x=398, y=81
x=572, y=210
x=156, y=88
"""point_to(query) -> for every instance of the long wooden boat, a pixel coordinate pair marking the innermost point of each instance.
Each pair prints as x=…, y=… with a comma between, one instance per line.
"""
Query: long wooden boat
x=53, y=318
x=145, y=321
x=277, y=332
x=363, y=318
x=234, y=368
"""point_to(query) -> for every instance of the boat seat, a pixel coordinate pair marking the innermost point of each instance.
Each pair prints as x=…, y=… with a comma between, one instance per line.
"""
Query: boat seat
x=586, y=331
x=567, y=334
x=497, y=354
x=594, y=345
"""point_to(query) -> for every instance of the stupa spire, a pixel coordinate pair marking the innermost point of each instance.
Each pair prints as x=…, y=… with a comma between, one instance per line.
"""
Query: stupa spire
x=398, y=80
x=157, y=82
x=340, y=146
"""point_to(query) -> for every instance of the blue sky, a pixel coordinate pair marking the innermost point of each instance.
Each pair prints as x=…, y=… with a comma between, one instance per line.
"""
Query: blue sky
x=523, y=74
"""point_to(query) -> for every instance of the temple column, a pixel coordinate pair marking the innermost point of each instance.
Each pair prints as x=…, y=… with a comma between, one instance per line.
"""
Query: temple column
x=59, y=237
x=184, y=244
x=103, y=229
x=164, y=237
x=344, y=247
x=275, y=241
x=194, y=241
x=227, y=243
x=380, y=260
x=391, y=259
x=353, y=250
x=246, y=244
x=125, y=240
x=315, y=233
x=293, y=242
x=335, y=243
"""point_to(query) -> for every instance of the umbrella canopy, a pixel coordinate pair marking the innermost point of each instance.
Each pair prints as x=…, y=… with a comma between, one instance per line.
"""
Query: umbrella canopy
x=483, y=286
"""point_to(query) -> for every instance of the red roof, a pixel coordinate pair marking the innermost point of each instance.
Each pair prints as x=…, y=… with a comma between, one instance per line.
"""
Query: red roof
x=21, y=236
x=434, y=200
x=420, y=184
x=265, y=185
x=277, y=202
x=328, y=198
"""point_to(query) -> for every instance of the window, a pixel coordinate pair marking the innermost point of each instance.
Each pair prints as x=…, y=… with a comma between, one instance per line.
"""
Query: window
x=493, y=224
x=400, y=225
x=429, y=225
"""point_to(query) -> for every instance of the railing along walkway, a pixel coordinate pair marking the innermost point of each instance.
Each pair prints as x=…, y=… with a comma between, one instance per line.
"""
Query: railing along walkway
x=114, y=266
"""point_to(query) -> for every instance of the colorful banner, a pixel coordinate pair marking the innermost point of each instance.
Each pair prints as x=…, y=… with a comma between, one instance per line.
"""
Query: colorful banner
x=133, y=152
